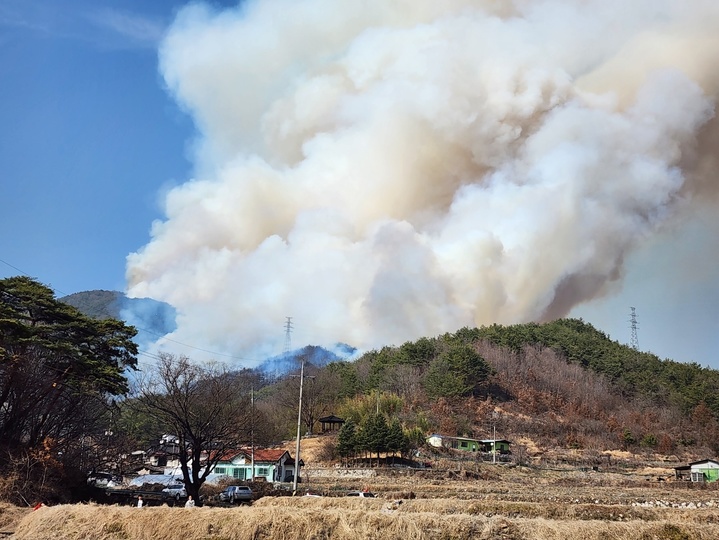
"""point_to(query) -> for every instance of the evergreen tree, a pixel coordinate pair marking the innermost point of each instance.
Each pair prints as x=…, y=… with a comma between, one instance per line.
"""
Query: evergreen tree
x=458, y=371
x=58, y=370
x=347, y=440
x=396, y=439
x=375, y=433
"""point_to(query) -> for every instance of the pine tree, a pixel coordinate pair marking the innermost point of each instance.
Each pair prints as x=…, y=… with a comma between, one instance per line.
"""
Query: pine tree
x=347, y=441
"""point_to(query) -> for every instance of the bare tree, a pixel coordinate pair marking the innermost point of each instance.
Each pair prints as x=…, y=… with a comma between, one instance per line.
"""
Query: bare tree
x=318, y=397
x=203, y=406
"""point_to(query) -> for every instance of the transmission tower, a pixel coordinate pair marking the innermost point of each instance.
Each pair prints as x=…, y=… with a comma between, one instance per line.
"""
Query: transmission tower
x=634, y=343
x=288, y=335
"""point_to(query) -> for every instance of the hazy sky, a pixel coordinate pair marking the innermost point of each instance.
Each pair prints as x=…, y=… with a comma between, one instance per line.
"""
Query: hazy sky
x=378, y=172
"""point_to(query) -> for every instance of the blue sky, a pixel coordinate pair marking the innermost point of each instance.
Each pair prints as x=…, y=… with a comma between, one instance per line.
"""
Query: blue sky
x=91, y=141
x=88, y=137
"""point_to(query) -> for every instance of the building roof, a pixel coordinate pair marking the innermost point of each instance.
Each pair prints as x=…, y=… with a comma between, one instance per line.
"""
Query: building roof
x=332, y=419
x=262, y=455
x=695, y=463
x=453, y=438
x=468, y=439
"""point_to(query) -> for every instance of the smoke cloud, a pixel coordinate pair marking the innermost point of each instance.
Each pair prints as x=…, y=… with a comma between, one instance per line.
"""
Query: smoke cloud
x=390, y=169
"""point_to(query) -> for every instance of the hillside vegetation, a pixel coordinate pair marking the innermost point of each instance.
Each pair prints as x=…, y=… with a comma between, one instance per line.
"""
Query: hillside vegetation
x=562, y=384
x=558, y=391
x=635, y=373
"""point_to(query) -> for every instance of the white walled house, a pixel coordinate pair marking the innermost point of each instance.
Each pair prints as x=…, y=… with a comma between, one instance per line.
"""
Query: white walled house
x=273, y=465
x=706, y=470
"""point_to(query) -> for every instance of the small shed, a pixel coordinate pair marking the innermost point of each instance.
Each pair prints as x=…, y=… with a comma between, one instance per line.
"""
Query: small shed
x=705, y=470
x=331, y=423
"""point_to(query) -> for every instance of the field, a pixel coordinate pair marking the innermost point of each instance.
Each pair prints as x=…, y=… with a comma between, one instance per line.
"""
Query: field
x=492, y=502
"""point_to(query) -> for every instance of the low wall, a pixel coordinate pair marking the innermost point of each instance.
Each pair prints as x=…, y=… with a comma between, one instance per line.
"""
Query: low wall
x=339, y=472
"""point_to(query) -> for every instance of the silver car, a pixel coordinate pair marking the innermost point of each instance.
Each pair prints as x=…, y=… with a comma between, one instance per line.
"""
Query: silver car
x=236, y=494
x=176, y=491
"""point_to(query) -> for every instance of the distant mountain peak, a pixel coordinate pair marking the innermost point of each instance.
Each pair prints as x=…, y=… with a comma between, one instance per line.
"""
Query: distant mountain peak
x=143, y=313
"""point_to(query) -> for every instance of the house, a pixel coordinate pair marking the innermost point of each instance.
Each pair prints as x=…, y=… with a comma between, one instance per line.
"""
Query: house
x=331, y=423
x=163, y=456
x=470, y=445
x=458, y=443
x=706, y=470
x=272, y=465
x=500, y=445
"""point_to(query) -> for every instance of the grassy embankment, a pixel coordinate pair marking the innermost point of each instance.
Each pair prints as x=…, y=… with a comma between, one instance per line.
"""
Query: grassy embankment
x=518, y=507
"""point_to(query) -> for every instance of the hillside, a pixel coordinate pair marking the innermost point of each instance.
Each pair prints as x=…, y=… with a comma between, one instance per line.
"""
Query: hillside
x=561, y=385
x=158, y=318
x=143, y=313
x=634, y=373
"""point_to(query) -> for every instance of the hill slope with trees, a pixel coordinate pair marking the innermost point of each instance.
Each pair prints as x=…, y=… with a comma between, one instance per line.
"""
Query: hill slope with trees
x=559, y=386
x=562, y=384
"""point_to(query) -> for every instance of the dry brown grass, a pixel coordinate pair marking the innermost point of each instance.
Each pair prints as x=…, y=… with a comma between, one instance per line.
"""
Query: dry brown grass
x=10, y=515
x=508, y=504
x=355, y=519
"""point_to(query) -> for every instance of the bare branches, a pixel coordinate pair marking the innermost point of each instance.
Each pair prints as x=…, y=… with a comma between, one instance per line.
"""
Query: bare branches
x=203, y=406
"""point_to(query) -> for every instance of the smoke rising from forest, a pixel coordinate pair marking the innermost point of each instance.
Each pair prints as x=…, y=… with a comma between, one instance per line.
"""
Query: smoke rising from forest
x=391, y=169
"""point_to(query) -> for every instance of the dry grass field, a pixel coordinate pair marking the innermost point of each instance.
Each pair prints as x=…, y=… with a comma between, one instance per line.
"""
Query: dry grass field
x=497, y=503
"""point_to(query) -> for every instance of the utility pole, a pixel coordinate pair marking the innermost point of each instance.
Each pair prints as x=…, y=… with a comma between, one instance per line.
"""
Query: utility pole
x=252, y=430
x=494, y=436
x=494, y=443
x=299, y=422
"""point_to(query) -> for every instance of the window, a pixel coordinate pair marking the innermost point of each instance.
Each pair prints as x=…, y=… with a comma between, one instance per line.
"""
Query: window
x=220, y=470
x=263, y=471
x=238, y=473
x=463, y=444
x=697, y=476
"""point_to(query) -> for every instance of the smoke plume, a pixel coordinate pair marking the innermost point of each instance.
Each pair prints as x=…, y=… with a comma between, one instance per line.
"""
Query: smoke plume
x=390, y=169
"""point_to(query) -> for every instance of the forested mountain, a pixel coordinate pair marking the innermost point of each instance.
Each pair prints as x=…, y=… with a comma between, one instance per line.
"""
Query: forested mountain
x=634, y=373
x=561, y=384
x=143, y=313
x=317, y=356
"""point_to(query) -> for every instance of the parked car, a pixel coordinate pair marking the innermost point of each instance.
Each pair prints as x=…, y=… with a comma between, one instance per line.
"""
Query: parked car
x=236, y=494
x=103, y=480
x=362, y=494
x=176, y=491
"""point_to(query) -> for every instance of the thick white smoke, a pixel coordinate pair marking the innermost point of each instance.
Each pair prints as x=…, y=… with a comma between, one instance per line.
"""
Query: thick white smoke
x=389, y=169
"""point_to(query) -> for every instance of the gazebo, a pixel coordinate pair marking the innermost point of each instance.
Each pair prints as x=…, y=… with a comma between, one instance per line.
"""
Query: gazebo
x=331, y=423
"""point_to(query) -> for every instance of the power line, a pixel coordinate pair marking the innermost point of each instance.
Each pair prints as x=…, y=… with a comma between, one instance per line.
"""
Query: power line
x=14, y=267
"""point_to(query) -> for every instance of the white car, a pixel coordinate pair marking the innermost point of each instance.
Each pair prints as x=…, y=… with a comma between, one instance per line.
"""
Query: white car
x=176, y=491
x=361, y=494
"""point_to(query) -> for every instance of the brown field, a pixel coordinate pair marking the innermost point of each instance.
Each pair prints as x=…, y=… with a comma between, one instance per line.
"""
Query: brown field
x=495, y=502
